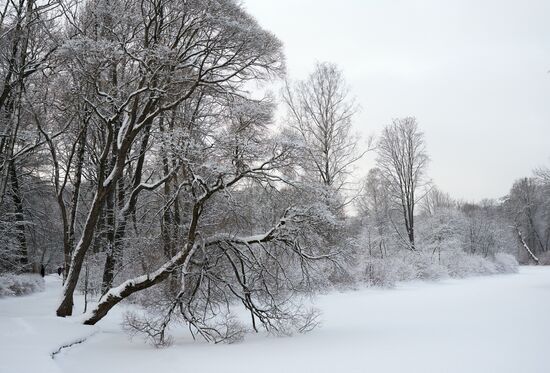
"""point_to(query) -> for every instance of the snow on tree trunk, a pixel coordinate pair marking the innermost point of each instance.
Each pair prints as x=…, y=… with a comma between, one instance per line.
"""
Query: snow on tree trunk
x=526, y=247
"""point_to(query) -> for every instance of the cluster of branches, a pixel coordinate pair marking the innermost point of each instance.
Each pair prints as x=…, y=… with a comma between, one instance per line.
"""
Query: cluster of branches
x=26, y=44
x=128, y=131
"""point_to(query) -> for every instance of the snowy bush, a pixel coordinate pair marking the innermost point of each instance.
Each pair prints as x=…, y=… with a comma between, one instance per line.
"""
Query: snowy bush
x=380, y=272
x=406, y=265
x=461, y=264
x=429, y=269
x=483, y=266
x=506, y=263
x=20, y=284
x=544, y=258
x=385, y=272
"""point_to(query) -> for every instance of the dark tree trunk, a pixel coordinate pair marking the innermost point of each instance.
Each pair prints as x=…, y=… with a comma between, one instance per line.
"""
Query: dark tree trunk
x=114, y=296
x=19, y=217
x=76, y=195
x=66, y=306
x=118, y=227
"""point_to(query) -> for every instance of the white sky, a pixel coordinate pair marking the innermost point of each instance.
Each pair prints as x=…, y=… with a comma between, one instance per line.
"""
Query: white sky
x=473, y=73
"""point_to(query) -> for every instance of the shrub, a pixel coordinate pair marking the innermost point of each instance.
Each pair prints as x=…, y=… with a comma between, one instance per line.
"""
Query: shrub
x=20, y=284
x=403, y=266
x=461, y=264
x=429, y=269
x=506, y=263
x=381, y=272
x=407, y=266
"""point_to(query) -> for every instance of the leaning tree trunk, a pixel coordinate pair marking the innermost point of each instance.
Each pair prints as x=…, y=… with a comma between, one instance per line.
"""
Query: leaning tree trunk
x=66, y=306
x=112, y=297
x=104, y=188
x=526, y=247
x=179, y=261
x=75, y=197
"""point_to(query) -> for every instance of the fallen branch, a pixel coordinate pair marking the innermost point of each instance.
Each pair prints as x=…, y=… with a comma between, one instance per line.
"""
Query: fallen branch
x=69, y=345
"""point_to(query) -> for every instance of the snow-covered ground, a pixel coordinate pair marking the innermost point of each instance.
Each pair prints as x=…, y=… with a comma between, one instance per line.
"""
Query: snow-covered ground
x=486, y=324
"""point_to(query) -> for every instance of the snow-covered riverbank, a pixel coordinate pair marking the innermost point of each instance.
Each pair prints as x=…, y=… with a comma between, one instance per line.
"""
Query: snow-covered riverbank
x=485, y=324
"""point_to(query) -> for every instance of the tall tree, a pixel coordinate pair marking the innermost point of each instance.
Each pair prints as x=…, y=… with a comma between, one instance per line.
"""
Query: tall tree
x=435, y=200
x=156, y=58
x=321, y=112
x=402, y=158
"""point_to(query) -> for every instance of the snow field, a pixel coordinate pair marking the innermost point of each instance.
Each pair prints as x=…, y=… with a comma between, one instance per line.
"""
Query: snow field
x=483, y=324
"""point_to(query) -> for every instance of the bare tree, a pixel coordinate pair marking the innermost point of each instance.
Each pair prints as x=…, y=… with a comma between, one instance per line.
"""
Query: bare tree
x=402, y=158
x=321, y=112
x=375, y=210
x=435, y=200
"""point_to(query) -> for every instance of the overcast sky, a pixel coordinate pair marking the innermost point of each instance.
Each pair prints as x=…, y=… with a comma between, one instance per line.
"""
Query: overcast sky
x=473, y=73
